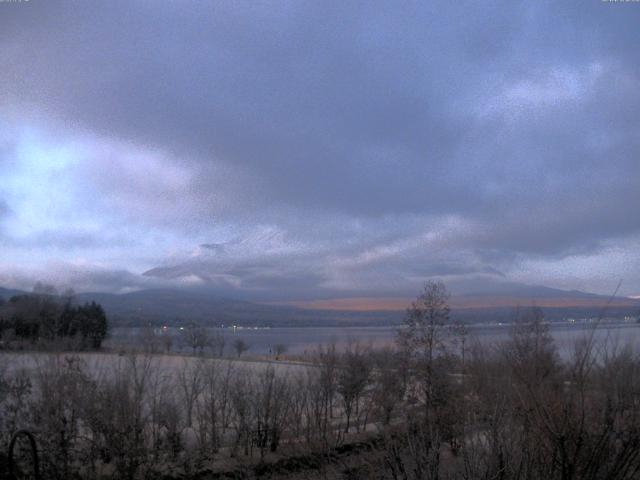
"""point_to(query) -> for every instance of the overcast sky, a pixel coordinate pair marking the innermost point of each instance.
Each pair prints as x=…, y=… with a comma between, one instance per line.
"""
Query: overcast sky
x=309, y=150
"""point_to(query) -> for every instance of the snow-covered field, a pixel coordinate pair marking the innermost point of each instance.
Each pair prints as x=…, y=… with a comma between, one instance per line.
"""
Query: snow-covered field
x=97, y=363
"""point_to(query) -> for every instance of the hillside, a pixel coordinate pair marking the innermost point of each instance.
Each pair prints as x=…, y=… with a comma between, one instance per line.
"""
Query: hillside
x=177, y=307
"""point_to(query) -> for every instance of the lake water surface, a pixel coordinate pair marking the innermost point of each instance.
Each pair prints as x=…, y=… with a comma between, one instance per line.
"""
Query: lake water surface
x=307, y=339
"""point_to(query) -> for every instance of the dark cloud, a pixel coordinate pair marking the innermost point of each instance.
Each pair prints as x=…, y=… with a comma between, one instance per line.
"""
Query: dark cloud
x=383, y=143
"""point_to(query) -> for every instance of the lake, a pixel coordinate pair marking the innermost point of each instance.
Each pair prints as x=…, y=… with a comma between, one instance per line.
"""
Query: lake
x=307, y=339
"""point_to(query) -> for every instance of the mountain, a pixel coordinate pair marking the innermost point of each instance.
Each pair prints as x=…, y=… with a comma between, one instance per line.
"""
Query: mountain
x=487, y=293
x=178, y=307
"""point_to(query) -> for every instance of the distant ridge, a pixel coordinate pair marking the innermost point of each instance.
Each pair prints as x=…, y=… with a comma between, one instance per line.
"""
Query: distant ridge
x=178, y=307
x=494, y=295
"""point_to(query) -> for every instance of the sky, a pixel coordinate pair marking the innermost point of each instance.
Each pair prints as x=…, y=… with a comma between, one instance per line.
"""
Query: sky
x=304, y=151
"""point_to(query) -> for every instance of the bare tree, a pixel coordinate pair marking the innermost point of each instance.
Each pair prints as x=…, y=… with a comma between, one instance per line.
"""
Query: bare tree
x=390, y=381
x=322, y=386
x=424, y=335
x=214, y=405
x=218, y=342
x=240, y=346
x=149, y=339
x=166, y=340
x=196, y=338
x=352, y=379
x=271, y=404
x=531, y=351
x=169, y=419
x=299, y=402
x=279, y=349
x=240, y=395
x=424, y=339
x=191, y=385
x=61, y=387
x=460, y=333
x=117, y=416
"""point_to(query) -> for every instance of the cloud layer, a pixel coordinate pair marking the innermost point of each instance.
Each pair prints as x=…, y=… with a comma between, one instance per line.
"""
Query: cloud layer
x=306, y=150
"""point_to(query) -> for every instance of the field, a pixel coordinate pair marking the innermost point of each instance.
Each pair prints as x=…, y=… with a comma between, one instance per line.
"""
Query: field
x=182, y=412
x=344, y=411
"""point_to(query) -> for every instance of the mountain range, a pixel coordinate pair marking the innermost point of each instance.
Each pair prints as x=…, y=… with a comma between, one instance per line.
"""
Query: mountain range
x=177, y=307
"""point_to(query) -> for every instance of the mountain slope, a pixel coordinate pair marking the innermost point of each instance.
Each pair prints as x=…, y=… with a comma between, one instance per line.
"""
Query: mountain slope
x=180, y=307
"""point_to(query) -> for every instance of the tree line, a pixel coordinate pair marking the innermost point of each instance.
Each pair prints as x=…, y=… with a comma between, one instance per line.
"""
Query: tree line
x=45, y=318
